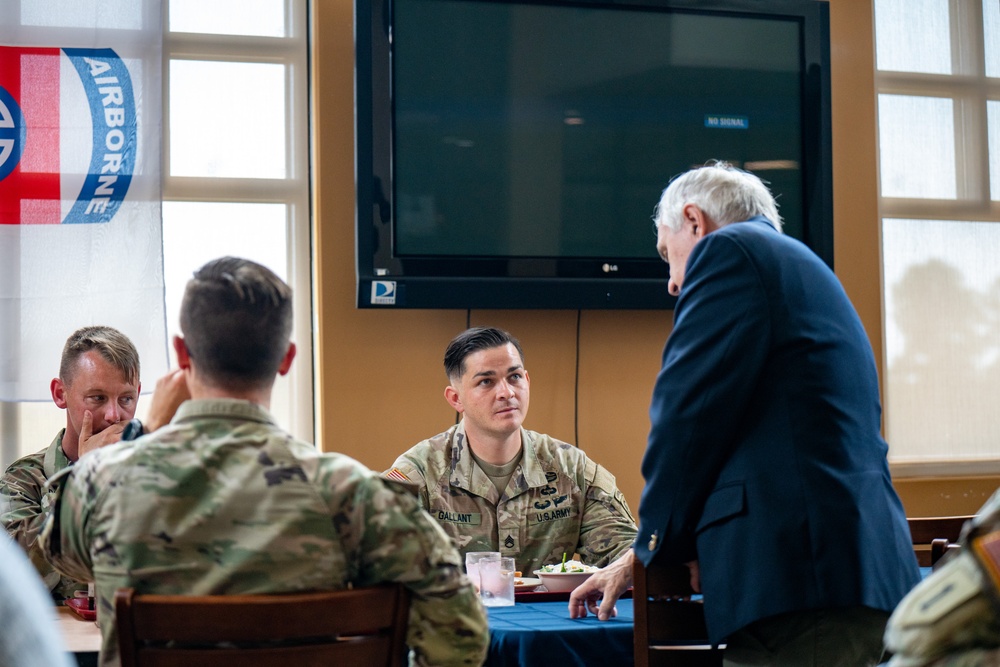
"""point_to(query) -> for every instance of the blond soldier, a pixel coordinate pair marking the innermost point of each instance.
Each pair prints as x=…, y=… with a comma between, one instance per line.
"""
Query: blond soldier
x=98, y=386
x=222, y=501
x=496, y=486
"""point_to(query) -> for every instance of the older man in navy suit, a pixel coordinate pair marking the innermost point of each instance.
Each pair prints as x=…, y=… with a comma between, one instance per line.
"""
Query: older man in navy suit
x=765, y=468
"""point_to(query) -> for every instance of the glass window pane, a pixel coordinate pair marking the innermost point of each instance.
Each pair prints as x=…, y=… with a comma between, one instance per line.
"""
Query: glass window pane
x=193, y=234
x=993, y=122
x=196, y=232
x=265, y=18
x=917, y=146
x=913, y=36
x=991, y=35
x=227, y=119
x=39, y=422
x=942, y=302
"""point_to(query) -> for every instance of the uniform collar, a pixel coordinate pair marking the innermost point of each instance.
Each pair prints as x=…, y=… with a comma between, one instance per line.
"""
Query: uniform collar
x=467, y=475
x=55, y=458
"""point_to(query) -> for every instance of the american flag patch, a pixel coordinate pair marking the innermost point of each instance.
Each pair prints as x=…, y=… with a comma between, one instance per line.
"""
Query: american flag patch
x=397, y=475
x=987, y=547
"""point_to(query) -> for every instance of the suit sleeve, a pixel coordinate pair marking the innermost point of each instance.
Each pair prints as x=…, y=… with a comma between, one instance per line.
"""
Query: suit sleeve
x=711, y=363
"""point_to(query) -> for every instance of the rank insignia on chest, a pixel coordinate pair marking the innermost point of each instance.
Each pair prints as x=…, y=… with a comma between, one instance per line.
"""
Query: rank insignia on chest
x=509, y=542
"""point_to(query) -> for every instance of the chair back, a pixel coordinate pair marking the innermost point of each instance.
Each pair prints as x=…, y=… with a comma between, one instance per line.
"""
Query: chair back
x=669, y=627
x=361, y=626
x=933, y=536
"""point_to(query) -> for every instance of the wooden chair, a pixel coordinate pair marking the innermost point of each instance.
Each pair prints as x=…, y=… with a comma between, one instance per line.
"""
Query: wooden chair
x=363, y=626
x=669, y=627
x=933, y=536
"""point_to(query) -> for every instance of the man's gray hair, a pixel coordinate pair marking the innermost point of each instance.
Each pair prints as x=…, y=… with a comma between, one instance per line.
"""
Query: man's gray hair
x=723, y=193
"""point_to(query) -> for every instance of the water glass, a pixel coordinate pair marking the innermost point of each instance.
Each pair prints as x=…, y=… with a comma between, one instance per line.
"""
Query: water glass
x=472, y=564
x=497, y=581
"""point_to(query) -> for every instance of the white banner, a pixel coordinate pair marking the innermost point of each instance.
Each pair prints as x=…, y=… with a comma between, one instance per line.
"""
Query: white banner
x=80, y=143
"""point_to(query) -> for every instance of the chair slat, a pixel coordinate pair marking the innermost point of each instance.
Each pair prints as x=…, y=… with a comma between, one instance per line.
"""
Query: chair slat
x=257, y=617
x=669, y=631
x=360, y=626
x=932, y=537
x=373, y=651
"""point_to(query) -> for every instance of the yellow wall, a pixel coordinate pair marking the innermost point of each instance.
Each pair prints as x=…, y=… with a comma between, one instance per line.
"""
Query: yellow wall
x=379, y=376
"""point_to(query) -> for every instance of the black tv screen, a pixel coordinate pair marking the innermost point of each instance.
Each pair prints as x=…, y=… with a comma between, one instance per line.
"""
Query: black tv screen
x=510, y=153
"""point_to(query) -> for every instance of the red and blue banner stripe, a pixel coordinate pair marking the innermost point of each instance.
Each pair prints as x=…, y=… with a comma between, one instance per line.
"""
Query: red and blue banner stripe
x=45, y=178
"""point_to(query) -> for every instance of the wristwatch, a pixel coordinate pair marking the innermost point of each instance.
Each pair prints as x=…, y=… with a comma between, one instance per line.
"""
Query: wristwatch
x=132, y=430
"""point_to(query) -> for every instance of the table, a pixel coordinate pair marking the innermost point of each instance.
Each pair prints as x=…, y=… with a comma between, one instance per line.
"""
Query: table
x=82, y=638
x=541, y=634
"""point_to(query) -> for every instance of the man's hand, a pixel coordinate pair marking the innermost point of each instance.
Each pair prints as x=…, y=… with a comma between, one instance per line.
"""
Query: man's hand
x=171, y=390
x=89, y=441
x=608, y=583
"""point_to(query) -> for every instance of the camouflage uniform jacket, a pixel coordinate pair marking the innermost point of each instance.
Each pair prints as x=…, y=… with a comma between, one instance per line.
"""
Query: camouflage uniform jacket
x=970, y=658
x=952, y=617
x=558, y=500
x=222, y=501
x=23, y=503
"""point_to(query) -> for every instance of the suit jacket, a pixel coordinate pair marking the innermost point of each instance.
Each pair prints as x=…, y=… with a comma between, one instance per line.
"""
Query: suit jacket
x=765, y=460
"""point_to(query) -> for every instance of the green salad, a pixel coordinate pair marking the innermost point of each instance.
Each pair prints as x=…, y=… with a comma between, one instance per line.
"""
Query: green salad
x=573, y=566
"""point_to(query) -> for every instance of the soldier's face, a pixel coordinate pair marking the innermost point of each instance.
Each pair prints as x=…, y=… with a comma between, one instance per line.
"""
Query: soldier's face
x=493, y=393
x=96, y=385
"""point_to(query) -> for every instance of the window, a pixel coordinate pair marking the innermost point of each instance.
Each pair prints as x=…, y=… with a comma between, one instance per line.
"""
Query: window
x=236, y=159
x=938, y=90
x=235, y=175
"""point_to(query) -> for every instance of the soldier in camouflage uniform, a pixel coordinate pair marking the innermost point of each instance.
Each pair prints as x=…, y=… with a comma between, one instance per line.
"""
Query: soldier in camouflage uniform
x=952, y=617
x=98, y=386
x=222, y=501
x=496, y=486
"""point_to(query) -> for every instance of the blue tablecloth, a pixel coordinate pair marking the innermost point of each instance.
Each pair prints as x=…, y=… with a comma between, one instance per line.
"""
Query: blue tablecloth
x=541, y=634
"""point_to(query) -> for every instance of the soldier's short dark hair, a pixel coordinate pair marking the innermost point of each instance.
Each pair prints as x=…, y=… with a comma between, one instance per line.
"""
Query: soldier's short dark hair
x=471, y=341
x=236, y=318
x=114, y=346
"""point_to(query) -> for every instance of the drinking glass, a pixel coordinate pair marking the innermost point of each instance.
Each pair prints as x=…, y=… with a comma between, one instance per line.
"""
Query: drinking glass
x=497, y=581
x=472, y=564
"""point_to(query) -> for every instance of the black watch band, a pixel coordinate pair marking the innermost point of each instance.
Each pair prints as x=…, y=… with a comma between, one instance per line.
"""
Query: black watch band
x=132, y=430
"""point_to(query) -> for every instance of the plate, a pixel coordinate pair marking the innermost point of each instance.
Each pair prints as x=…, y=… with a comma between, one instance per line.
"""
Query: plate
x=527, y=584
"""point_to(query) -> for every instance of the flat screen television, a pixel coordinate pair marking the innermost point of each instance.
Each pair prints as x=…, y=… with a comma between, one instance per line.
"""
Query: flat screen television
x=510, y=153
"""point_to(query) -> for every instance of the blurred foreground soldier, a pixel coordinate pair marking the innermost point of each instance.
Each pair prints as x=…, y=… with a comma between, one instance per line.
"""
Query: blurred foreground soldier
x=29, y=636
x=222, y=501
x=494, y=485
x=765, y=467
x=952, y=618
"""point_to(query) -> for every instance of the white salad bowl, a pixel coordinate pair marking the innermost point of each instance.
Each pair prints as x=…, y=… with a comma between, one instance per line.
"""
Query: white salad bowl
x=559, y=582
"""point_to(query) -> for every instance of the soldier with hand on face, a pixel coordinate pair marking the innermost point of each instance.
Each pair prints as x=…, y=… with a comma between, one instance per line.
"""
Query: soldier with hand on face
x=98, y=387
